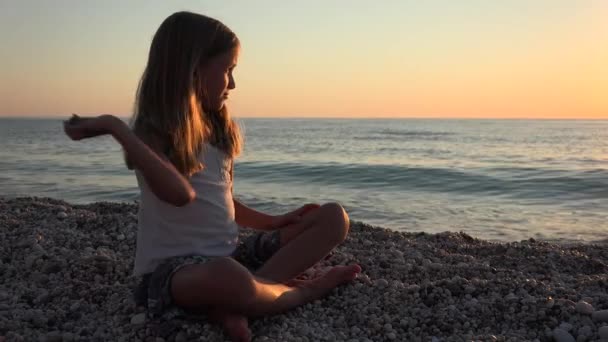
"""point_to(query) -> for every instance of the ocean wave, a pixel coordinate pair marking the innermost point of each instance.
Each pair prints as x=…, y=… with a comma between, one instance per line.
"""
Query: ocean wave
x=404, y=135
x=525, y=182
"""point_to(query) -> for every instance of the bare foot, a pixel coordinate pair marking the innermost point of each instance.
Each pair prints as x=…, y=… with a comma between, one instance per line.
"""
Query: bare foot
x=235, y=326
x=319, y=287
x=308, y=275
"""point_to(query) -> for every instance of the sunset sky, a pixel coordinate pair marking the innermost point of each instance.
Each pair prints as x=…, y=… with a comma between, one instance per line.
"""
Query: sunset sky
x=470, y=58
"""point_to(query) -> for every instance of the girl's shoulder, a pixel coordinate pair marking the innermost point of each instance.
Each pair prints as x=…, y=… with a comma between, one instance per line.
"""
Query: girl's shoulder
x=208, y=147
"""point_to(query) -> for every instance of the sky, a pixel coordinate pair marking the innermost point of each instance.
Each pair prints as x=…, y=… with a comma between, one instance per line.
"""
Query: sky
x=402, y=58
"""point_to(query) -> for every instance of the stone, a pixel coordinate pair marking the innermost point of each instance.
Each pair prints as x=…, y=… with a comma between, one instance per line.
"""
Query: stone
x=181, y=337
x=561, y=335
x=584, y=308
x=75, y=306
x=411, y=298
x=52, y=267
x=585, y=331
x=139, y=319
x=381, y=282
x=603, y=332
x=566, y=326
x=68, y=337
x=54, y=336
x=600, y=315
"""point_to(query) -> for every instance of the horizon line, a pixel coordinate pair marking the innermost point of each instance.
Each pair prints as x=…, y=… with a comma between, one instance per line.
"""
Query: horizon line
x=355, y=118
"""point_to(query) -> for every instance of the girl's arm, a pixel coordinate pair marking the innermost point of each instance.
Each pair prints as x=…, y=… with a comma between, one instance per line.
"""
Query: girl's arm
x=162, y=177
x=165, y=181
x=248, y=217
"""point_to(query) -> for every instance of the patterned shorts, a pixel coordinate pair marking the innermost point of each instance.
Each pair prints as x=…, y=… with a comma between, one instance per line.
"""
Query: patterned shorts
x=154, y=290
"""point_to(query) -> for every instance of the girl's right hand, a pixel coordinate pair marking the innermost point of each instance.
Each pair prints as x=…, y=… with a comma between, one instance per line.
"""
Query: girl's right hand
x=78, y=128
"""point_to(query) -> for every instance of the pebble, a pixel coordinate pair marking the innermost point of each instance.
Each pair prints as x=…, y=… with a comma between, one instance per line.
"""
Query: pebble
x=603, y=332
x=584, y=308
x=138, y=319
x=561, y=335
x=413, y=288
x=78, y=285
x=67, y=337
x=469, y=289
x=600, y=315
x=381, y=282
x=54, y=336
x=585, y=331
x=511, y=297
x=181, y=337
x=30, y=260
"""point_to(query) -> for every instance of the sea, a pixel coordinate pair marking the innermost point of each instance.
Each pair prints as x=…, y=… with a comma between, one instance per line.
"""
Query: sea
x=500, y=180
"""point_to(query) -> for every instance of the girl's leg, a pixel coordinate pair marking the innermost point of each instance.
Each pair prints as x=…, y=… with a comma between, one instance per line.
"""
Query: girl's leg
x=226, y=285
x=306, y=242
x=235, y=325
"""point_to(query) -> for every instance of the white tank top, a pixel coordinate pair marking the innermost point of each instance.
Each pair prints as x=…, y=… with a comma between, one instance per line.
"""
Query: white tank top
x=206, y=226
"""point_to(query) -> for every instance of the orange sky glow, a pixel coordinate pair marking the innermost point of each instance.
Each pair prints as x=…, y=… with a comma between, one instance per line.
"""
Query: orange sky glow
x=521, y=59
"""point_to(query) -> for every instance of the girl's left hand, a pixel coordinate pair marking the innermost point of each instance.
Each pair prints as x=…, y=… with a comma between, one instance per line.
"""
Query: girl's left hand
x=292, y=216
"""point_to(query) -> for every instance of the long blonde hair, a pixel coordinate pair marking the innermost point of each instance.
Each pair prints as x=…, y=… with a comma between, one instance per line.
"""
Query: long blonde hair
x=169, y=106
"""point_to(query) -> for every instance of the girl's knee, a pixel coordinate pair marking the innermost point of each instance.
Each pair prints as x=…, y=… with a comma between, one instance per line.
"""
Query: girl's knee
x=337, y=216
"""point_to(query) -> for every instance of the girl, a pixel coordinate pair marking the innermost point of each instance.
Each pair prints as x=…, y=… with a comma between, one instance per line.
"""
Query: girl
x=181, y=144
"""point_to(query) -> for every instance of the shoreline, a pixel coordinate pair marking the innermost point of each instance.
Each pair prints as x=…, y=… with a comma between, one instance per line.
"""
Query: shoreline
x=65, y=275
x=562, y=241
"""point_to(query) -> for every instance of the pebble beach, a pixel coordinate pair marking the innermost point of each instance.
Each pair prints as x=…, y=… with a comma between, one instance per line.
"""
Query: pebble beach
x=65, y=275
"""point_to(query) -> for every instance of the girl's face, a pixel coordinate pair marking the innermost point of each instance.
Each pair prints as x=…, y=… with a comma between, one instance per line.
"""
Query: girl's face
x=218, y=79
